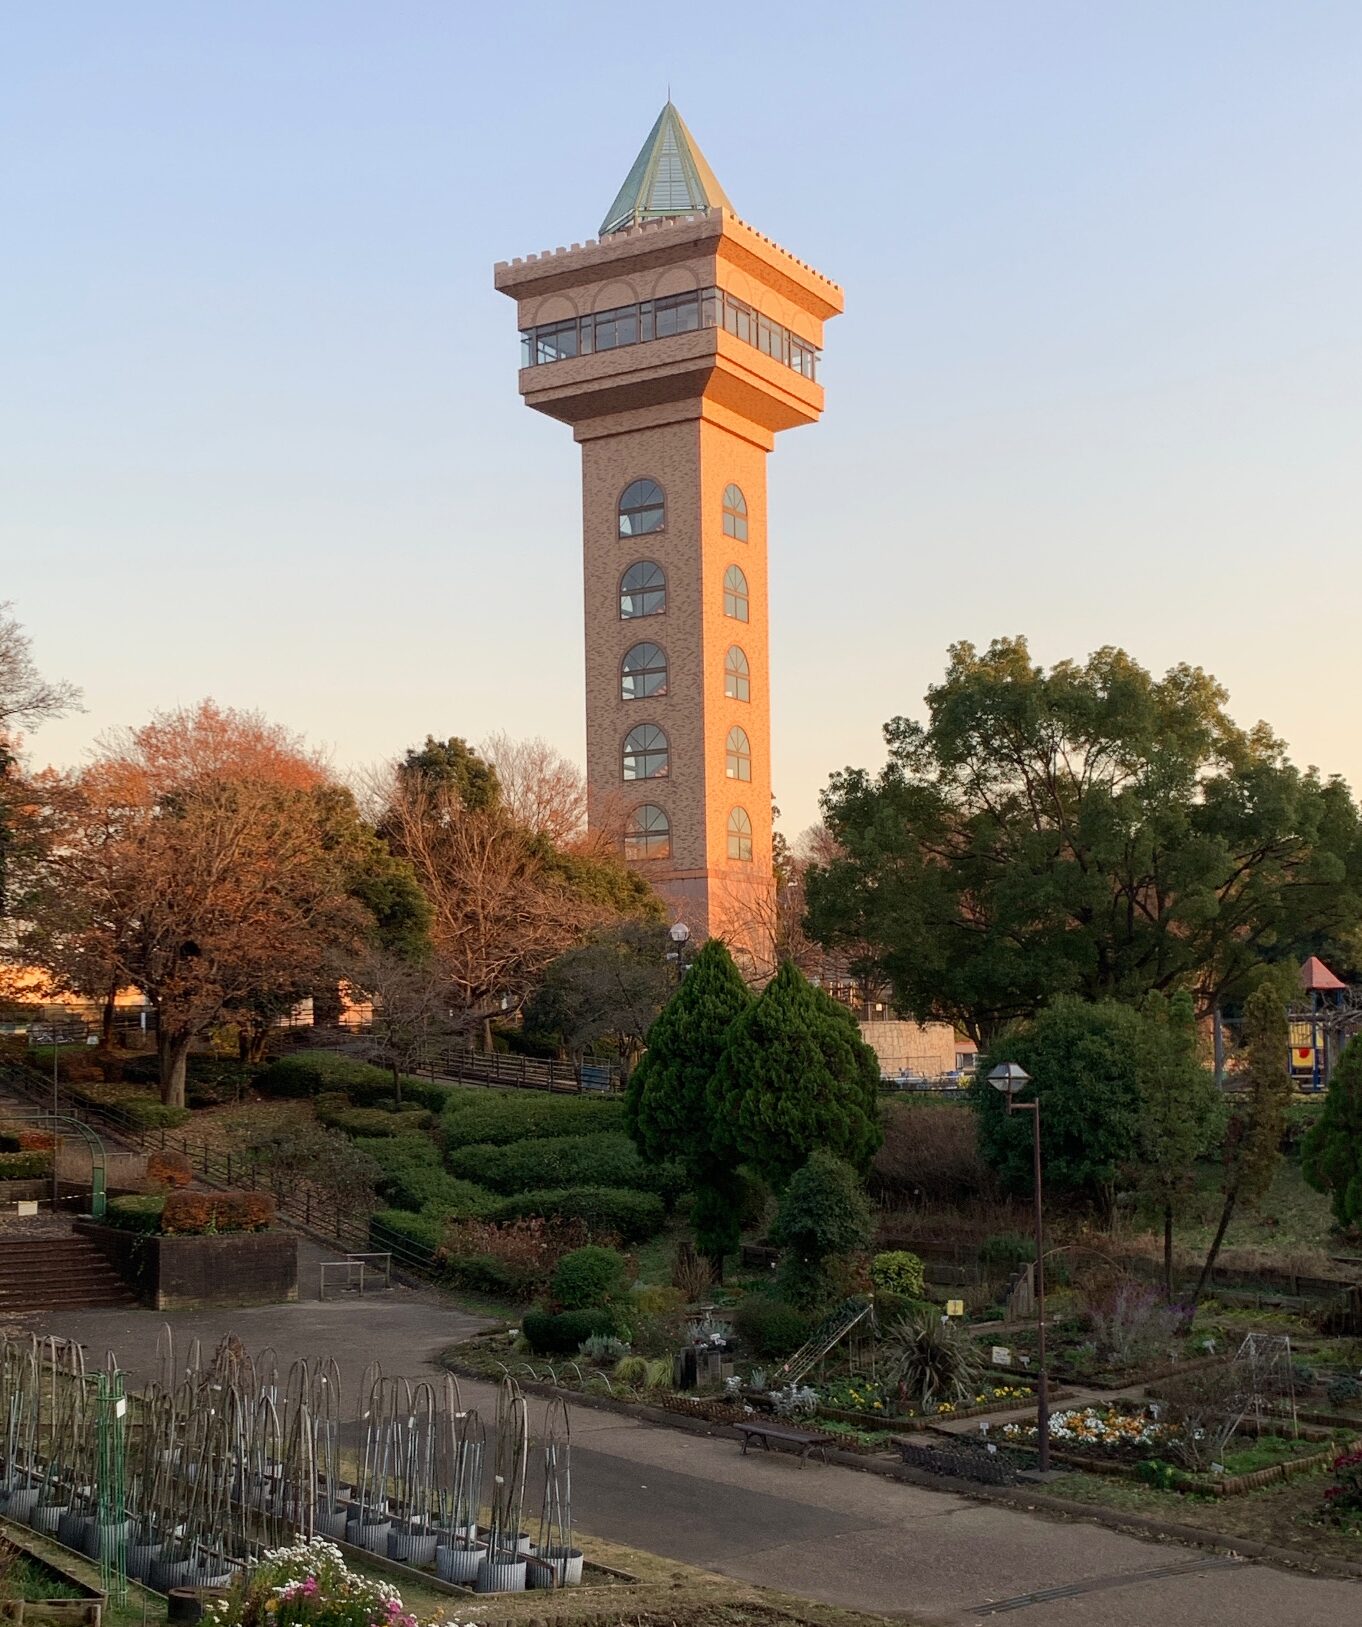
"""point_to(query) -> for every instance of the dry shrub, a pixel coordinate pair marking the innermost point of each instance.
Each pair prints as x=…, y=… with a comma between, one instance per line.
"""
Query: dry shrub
x=691, y=1273
x=169, y=1169
x=37, y=1141
x=930, y=1154
x=198, y=1213
x=529, y=1249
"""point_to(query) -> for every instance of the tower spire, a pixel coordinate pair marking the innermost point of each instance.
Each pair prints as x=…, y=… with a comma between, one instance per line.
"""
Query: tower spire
x=670, y=176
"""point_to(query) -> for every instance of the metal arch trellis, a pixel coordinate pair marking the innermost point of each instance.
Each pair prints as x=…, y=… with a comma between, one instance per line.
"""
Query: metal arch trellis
x=99, y=1167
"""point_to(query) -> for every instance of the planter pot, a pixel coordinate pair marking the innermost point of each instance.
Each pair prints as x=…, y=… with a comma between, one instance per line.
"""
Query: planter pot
x=99, y=1538
x=210, y=1574
x=47, y=1517
x=372, y=1536
x=21, y=1505
x=331, y=1523
x=459, y=1562
x=141, y=1557
x=168, y=1573
x=502, y=1573
x=522, y=1542
x=413, y=1545
x=554, y=1567
x=72, y=1529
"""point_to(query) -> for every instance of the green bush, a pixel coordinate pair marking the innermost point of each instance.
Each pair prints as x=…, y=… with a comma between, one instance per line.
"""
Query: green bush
x=24, y=1166
x=146, y=1113
x=824, y=1216
x=898, y=1272
x=561, y=1334
x=312, y=1073
x=484, y=1274
x=630, y=1216
x=1007, y=1250
x=580, y=1160
x=374, y=1122
x=769, y=1326
x=405, y=1233
x=135, y=1213
x=412, y=1177
x=500, y=1117
x=589, y=1277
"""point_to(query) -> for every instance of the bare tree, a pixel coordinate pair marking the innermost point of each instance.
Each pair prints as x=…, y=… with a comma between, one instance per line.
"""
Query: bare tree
x=26, y=697
x=542, y=790
x=409, y=1002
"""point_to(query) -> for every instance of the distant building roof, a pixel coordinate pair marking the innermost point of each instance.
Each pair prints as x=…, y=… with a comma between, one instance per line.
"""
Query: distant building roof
x=669, y=177
x=1316, y=978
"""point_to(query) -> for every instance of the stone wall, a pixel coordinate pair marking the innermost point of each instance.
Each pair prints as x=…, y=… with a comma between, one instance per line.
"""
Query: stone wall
x=189, y=1273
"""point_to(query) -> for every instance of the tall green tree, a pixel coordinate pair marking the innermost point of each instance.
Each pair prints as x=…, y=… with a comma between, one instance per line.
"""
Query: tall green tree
x=1182, y=1113
x=1253, y=1136
x=1086, y=1061
x=1331, y=1155
x=824, y=1215
x=796, y=1077
x=613, y=987
x=1089, y=830
x=668, y=1103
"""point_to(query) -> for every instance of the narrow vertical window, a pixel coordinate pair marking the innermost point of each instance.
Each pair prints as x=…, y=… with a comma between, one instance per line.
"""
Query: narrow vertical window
x=740, y=835
x=735, y=513
x=738, y=755
x=643, y=672
x=735, y=593
x=737, y=676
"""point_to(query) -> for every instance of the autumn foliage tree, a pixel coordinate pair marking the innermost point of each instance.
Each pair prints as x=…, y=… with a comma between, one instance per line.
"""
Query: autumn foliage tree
x=202, y=859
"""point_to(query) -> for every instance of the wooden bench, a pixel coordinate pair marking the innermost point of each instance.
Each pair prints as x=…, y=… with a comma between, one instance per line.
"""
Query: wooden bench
x=804, y=1439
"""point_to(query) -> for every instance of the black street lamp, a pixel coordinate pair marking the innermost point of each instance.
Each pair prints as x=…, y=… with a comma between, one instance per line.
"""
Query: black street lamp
x=1010, y=1077
x=680, y=936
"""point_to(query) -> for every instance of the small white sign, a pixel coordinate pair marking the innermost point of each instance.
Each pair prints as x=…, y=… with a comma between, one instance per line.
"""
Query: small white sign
x=26, y=1206
x=1002, y=1356
x=121, y=1407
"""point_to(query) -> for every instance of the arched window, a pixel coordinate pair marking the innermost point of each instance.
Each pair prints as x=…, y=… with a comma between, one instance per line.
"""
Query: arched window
x=738, y=759
x=740, y=835
x=647, y=833
x=643, y=590
x=735, y=594
x=646, y=756
x=643, y=508
x=643, y=672
x=737, y=676
x=735, y=513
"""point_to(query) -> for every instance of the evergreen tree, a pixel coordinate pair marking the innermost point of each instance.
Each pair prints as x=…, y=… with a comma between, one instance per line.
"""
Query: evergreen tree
x=824, y=1215
x=1254, y=1134
x=1331, y=1157
x=668, y=1103
x=796, y=1077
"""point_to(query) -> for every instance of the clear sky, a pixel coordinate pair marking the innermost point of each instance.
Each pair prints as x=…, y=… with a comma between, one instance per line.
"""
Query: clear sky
x=1099, y=379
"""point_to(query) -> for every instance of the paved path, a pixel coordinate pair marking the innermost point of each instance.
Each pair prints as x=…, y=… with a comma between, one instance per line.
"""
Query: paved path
x=825, y=1532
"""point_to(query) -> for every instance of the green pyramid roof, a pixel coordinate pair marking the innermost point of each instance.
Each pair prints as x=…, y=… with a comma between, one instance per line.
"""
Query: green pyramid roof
x=669, y=177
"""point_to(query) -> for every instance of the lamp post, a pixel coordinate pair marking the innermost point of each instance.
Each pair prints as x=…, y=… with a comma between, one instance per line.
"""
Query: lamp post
x=680, y=936
x=1011, y=1077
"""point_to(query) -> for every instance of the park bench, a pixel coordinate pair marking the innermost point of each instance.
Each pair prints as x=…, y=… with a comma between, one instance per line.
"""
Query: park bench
x=805, y=1440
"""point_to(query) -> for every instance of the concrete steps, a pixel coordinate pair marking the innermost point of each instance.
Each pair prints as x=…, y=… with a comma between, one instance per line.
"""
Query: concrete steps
x=47, y=1273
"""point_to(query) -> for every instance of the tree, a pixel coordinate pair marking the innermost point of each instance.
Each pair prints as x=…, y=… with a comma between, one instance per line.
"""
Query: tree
x=409, y=1017
x=26, y=700
x=541, y=789
x=452, y=766
x=795, y=1077
x=612, y=987
x=201, y=860
x=824, y=1214
x=1087, y=830
x=1257, y=1119
x=668, y=1104
x=1086, y=1062
x=1331, y=1155
x=1181, y=1112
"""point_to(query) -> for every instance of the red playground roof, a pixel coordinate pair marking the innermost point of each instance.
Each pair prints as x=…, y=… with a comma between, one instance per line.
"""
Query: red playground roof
x=1316, y=978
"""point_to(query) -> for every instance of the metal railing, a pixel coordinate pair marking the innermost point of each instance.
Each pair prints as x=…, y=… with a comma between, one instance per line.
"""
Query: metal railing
x=461, y=1064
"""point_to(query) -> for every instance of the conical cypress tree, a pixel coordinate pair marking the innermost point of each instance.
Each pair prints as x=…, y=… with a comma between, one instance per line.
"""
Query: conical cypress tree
x=1331, y=1156
x=796, y=1077
x=668, y=1102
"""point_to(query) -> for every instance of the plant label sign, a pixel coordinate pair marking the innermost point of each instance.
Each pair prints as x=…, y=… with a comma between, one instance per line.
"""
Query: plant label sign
x=955, y=1307
x=1002, y=1356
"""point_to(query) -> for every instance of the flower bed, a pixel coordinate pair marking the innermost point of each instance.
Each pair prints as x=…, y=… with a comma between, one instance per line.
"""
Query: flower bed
x=1101, y=1429
x=310, y=1585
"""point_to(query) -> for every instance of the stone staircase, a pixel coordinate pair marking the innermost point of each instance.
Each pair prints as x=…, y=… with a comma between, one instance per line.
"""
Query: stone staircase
x=56, y=1273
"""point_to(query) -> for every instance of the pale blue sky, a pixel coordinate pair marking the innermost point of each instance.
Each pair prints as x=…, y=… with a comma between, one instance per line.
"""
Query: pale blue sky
x=1099, y=379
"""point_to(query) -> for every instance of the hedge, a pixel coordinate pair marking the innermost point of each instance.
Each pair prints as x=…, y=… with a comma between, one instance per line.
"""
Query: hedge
x=590, y=1277
x=24, y=1166
x=316, y=1073
x=500, y=1119
x=770, y=1326
x=413, y=1176
x=134, y=1213
x=401, y=1232
x=485, y=1274
x=201, y=1213
x=143, y=1112
x=630, y=1216
x=552, y=1161
x=561, y=1334
x=336, y=1112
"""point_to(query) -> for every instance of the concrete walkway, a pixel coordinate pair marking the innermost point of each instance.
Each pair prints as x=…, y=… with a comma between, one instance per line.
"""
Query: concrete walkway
x=827, y=1533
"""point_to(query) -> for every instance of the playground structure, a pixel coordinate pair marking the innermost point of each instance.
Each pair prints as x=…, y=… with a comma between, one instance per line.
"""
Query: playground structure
x=186, y=1483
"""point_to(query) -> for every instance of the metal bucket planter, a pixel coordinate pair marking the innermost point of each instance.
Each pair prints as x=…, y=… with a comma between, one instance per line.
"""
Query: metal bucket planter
x=331, y=1522
x=22, y=1501
x=71, y=1529
x=459, y=1561
x=99, y=1537
x=210, y=1571
x=413, y=1543
x=168, y=1573
x=47, y=1517
x=523, y=1543
x=370, y=1535
x=141, y=1557
x=502, y=1572
x=554, y=1567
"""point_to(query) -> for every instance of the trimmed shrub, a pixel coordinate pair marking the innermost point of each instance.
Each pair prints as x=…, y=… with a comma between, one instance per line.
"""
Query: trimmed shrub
x=202, y=1213
x=372, y=1122
x=563, y=1333
x=589, y=1277
x=553, y=1161
x=135, y=1214
x=484, y=1274
x=823, y=1217
x=146, y=1113
x=769, y=1326
x=412, y=1177
x=311, y=1073
x=169, y=1168
x=8, y=1143
x=898, y=1273
x=402, y=1233
x=24, y=1166
x=630, y=1216
x=500, y=1119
